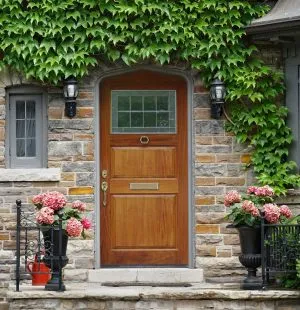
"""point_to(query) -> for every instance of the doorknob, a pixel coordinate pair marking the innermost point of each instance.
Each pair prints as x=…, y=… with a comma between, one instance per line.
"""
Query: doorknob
x=104, y=187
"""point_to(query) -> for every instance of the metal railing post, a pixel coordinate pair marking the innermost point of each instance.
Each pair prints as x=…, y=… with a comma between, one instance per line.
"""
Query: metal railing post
x=18, y=244
x=60, y=253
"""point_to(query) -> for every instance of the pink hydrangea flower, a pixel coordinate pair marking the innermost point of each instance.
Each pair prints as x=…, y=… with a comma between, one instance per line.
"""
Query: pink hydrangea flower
x=251, y=189
x=54, y=200
x=86, y=223
x=264, y=191
x=272, y=213
x=250, y=207
x=38, y=199
x=74, y=227
x=232, y=197
x=285, y=211
x=79, y=205
x=45, y=216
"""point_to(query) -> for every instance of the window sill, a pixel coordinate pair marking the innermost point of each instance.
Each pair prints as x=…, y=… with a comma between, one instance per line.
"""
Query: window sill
x=30, y=175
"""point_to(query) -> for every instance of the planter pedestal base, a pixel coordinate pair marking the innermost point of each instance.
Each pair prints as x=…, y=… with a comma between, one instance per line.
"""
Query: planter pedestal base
x=251, y=262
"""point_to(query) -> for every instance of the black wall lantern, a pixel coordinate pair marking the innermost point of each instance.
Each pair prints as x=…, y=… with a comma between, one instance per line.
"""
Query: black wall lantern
x=70, y=95
x=217, y=98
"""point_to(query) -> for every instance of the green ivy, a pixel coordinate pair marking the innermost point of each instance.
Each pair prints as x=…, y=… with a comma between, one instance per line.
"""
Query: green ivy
x=50, y=40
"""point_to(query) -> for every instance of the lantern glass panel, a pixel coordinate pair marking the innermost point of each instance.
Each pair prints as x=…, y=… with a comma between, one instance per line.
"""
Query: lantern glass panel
x=70, y=91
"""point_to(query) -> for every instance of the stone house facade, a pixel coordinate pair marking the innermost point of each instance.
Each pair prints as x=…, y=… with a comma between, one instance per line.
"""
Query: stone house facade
x=216, y=165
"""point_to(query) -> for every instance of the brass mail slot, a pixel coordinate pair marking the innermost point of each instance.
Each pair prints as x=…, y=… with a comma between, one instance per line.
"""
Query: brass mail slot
x=137, y=186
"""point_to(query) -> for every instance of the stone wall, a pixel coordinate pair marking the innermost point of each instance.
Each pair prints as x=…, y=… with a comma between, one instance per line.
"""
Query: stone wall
x=217, y=167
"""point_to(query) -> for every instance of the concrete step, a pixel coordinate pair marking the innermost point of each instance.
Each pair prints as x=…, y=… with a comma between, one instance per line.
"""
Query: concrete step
x=146, y=275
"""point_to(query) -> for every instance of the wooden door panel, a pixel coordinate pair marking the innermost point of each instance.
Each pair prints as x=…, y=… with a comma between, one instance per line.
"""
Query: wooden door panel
x=145, y=219
x=165, y=186
x=141, y=162
x=132, y=228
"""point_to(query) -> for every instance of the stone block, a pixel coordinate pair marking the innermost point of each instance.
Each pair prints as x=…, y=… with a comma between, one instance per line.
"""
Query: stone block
x=209, y=217
x=85, y=95
x=83, y=137
x=210, y=170
x=235, y=170
x=75, y=275
x=4, y=306
x=81, y=190
x=211, y=127
x=225, y=230
x=213, y=149
x=85, y=179
x=64, y=148
x=205, y=190
x=205, y=158
x=205, y=181
x=202, y=114
x=223, y=251
x=201, y=101
x=220, y=266
x=209, y=239
x=206, y=250
x=231, y=239
x=78, y=167
x=4, y=236
x=85, y=112
x=222, y=140
x=207, y=229
x=210, y=208
x=203, y=140
x=79, y=124
x=56, y=125
x=81, y=248
x=228, y=158
x=55, y=112
x=245, y=158
x=231, y=181
x=68, y=176
x=204, y=200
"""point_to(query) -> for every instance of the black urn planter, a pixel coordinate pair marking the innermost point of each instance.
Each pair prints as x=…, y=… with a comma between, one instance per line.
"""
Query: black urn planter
x=250, y=240
x=55, y=257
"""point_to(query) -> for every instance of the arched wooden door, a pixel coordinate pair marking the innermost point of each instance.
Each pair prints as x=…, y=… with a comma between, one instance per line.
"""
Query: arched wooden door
x=144, y=174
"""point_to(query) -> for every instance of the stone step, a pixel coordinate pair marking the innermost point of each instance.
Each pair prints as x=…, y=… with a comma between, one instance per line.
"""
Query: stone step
x=146, y=275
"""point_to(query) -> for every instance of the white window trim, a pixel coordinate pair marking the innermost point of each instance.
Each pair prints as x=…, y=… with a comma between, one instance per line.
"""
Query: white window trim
x=27, y=90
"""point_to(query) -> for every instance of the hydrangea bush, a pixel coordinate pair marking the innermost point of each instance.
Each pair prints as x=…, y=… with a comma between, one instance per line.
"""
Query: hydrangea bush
x=52, y=204
x=250, y=208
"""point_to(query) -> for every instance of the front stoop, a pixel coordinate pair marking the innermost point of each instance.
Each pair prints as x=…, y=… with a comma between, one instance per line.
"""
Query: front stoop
x=146, y=275
x=93, y=296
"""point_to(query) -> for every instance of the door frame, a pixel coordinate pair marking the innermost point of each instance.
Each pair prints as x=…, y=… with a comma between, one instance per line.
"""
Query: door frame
x=190, y=135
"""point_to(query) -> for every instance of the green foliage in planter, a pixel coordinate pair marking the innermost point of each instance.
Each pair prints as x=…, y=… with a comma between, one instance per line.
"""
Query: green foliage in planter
x=50, y=40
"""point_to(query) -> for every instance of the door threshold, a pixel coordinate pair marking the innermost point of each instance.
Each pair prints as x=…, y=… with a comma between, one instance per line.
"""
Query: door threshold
x=143, y=275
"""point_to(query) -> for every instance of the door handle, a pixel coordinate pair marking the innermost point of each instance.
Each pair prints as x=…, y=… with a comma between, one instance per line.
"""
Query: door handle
x=104, y=187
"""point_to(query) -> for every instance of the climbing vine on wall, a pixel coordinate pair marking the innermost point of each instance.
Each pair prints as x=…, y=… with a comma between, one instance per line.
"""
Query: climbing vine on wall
x=50, y=40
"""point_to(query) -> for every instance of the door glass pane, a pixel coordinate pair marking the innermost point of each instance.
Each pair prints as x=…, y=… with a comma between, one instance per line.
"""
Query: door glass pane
x=142, y=111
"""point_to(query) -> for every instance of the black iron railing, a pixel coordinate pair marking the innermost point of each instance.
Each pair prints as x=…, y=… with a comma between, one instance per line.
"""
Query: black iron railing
x=34, y=246
x=280, y=250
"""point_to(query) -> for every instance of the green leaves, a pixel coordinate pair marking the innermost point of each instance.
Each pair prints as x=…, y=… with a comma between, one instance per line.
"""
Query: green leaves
x=49, y=40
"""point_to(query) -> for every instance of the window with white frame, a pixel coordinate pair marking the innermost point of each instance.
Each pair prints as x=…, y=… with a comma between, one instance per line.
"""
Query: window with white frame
x=27, y=130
